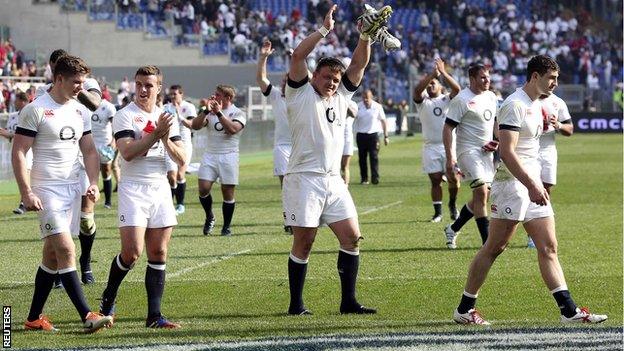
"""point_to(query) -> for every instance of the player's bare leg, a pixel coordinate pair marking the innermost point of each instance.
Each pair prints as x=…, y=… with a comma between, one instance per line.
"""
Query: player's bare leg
x=303, y=238
x=348, y=233
x=344, y=168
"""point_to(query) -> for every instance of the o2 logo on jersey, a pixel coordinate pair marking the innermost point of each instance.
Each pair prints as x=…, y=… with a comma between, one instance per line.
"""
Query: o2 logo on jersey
x=95, y=117
x=487, y=115
x=67, y=133
x=437, y=111
x=218, y=126
x=330, y=114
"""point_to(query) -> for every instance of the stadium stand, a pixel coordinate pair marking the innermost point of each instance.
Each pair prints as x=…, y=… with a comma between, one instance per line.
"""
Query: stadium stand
x=501, y=34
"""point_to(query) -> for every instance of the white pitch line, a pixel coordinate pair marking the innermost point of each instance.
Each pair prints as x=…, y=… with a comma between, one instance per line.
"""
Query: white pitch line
x=207, y=263
x=380, y=208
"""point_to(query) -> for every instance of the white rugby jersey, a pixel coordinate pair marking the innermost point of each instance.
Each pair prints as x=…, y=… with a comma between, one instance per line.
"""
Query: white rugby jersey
x=89, y=84
x=101, y=123
x=553, y=105
x=57, y=130
x=185, y=111
x=278, y=103
x=131, y=121
x=432, y=113
x=12, y=120
x=220, y=142
x=349, y=122
x=521, y=114
x=369, y=119
x=474, y=116
x=317, y=127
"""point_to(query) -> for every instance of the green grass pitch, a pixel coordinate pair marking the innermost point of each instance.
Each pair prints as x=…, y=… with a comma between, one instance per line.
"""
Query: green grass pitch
x=236, y=288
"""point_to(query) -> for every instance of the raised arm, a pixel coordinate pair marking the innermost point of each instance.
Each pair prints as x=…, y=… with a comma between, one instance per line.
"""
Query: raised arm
x=359, y=61
x=422, y=85
x=455, y=87
x=261, y=73
x=298, y=68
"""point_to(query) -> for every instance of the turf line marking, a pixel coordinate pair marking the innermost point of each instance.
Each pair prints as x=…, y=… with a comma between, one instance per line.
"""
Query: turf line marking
x=375, y=209
x=207, y=263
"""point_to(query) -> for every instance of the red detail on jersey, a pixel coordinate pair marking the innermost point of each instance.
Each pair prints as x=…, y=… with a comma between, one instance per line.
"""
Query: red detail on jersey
x=48, y=113
x=493, y=208
x=138, y=119
x=545, y=119
x=149, y=127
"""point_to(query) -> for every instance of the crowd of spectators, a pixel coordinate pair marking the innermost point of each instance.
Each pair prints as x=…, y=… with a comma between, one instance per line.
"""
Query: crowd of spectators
x=502, y=34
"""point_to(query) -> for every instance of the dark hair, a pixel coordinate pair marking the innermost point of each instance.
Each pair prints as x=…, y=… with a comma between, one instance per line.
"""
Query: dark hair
x=68, y=66
x=54, y=56
x=177, y=87
x=20, y=95
x=541, y=64
x=333, y=63
x=149, y=71
x=474, y=69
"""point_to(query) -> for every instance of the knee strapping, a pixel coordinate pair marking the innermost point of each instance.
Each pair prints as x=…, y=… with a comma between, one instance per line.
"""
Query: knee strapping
x=87, y=223
x=477, y=183
x=355, y=246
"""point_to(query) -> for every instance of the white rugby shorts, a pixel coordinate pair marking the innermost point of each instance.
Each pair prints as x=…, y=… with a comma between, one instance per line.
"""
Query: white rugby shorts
x=84, y=181
x=145, y=205
x=61, y=208
x=281, y=155
x=548, y=161
x=510, y=200
x=433, y=158
x=347, y=150
x=476, y=164
x=222, y=166
x=188, y=153
x=312, y=199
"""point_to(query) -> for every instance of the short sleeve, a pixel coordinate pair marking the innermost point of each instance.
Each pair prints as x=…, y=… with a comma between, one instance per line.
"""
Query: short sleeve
x=511, y=116
x=111, y=110
x=191, y=111
x=564, y=113
x=275, y=93
x=382, y=113
x=122, y=124
x=91, y=84
x=174, y=131
x=29, y=118
x=457, y=109
x=240, y=117
x=293, y=89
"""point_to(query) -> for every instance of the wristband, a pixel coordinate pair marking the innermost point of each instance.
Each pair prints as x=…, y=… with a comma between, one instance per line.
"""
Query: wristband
x=323, y=31
x=365, y=37
x=219, y=114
